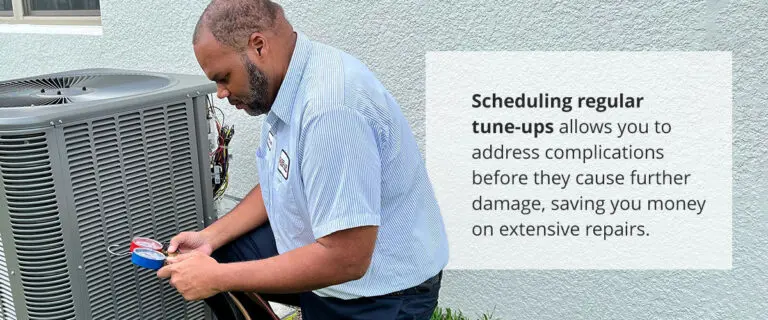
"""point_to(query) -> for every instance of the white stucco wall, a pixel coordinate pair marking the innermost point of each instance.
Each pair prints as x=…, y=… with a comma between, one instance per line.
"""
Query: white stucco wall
x=392, y=38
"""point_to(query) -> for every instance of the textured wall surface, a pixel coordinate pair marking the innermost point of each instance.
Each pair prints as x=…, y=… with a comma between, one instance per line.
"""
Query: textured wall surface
x=392, y=38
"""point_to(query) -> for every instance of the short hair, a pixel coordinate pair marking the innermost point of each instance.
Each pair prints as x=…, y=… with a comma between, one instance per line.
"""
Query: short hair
x=233, y=21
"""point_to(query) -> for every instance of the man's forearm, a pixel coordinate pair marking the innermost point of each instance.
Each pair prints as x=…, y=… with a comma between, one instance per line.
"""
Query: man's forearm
x=314, y=266
x=247, y=215
x=296, y=271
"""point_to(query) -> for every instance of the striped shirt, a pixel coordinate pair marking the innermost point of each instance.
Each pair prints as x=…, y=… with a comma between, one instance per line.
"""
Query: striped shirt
x=336, y=153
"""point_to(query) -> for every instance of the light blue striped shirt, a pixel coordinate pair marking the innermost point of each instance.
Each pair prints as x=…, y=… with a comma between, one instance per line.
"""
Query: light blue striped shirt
x=336, y=153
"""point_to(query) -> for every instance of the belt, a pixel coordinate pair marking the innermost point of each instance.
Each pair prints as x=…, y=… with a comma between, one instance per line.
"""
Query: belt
x=426, y=286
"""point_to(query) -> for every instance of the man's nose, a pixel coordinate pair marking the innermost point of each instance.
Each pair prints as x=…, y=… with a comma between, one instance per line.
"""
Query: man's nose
x=222, y=92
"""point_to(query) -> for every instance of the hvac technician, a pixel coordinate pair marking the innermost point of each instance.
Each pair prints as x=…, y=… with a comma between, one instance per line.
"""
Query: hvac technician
x=344, y=221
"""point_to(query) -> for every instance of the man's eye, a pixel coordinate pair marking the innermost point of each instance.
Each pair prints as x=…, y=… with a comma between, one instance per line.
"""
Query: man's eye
x=222, y=80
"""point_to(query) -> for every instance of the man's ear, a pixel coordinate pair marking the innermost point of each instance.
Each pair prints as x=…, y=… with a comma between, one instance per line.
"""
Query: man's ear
x=256, y=42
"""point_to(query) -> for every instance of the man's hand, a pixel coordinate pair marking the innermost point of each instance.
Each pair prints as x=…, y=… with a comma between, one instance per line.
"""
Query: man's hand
x=193, y=275
x=187, y=242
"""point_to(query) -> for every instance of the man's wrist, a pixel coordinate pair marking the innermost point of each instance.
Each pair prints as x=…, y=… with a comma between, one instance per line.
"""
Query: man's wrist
x=210, y=237
x=229, y=276
x=221, y=277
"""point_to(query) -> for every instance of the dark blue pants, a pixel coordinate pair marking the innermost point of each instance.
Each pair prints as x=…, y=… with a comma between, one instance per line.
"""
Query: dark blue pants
x=414, y=303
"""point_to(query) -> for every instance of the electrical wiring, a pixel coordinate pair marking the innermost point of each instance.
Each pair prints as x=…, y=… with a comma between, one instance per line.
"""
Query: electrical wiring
x=220, y=156
x=223, y=119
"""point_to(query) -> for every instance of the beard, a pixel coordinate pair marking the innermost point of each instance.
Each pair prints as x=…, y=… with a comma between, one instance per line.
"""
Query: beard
x=256, y=104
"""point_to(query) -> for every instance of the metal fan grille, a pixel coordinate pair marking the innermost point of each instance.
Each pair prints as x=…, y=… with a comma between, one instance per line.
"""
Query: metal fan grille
x=7, y=309
x=51, y=86
x=76, y=88
x=132, y=175
x=45, y=83
x=27, y=176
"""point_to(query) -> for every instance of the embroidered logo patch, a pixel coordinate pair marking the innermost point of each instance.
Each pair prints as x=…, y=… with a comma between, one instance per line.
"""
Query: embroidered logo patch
x=284, y=164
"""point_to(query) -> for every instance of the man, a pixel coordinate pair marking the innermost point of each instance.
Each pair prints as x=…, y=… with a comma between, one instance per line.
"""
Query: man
x=344, y=221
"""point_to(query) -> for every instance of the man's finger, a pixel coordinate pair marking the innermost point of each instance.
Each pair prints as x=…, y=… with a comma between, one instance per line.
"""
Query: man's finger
x=180, y=257
x=165, y=272
x=176, y=241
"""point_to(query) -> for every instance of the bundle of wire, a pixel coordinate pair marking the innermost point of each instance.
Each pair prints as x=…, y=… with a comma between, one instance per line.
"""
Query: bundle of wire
x=220, y=155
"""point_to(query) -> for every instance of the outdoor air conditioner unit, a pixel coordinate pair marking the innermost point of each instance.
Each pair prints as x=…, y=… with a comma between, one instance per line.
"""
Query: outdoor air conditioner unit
x=90, y=159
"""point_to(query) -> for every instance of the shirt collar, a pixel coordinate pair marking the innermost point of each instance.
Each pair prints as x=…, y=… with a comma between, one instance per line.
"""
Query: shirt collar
x=286, y=95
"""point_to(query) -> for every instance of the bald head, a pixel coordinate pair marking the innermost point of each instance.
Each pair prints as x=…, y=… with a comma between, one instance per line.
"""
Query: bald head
x=232, y=21
x=245, y=46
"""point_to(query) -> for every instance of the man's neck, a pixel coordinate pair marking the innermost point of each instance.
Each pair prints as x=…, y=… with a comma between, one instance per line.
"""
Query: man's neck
x=288, y=55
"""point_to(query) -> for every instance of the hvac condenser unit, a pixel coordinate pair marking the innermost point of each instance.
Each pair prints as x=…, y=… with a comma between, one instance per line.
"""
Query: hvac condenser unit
x=90, y=159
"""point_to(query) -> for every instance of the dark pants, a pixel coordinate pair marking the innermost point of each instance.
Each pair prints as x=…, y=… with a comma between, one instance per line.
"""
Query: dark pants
x=414, y=303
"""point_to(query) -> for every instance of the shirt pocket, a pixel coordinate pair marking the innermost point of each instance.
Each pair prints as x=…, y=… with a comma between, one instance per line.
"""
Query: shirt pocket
x=291, y=220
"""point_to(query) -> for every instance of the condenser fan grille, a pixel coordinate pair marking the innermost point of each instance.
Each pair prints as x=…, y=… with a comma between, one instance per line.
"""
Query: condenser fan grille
x=90, y=159
x=76, y=88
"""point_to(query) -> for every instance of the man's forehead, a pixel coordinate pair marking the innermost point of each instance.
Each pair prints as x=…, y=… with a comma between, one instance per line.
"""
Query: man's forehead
x=205, y=36
x=209, y=52
x=207, y=45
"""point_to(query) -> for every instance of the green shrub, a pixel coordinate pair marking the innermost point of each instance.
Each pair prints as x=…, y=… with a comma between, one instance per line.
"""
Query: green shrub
x=448, y=314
